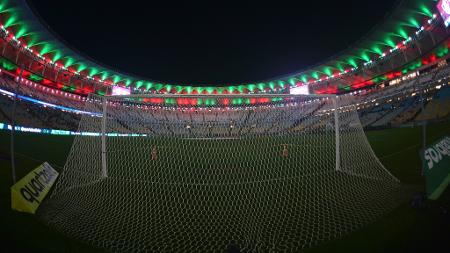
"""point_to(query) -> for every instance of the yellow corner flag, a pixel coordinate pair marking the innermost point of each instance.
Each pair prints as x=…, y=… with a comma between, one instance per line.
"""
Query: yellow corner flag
x=28, y=193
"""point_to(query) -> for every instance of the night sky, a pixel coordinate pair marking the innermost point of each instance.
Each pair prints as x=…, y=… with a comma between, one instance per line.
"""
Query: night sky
x=210, y=42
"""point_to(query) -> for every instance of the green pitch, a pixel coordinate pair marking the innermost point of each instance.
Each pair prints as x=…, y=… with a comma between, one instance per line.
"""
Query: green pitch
x=397, y=148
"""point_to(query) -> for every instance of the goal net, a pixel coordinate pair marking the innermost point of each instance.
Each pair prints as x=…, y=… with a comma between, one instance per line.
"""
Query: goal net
x=208, y=173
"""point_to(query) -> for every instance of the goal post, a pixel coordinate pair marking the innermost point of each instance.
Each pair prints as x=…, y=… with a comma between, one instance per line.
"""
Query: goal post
x=104, y=120
x=264, y=172
x=336, y=131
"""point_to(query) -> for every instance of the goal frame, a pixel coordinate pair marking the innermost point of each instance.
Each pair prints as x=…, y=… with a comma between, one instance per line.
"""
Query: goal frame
x=105, y=99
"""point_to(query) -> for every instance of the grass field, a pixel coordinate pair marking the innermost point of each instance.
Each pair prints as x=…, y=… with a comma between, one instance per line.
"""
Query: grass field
x=403, y=230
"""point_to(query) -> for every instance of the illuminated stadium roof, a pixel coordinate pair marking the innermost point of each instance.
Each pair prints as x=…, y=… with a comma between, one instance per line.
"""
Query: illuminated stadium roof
x=55, y=62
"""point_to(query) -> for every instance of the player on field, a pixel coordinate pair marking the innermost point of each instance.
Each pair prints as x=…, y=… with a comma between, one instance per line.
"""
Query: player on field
x=285, y=152
x=154, y=153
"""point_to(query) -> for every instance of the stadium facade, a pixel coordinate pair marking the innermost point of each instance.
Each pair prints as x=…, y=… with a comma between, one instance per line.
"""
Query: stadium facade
x=176, y=167
x=412, y=38
x=408, y=48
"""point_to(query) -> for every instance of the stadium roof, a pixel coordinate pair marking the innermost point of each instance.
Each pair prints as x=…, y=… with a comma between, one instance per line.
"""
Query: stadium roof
x=23, y=25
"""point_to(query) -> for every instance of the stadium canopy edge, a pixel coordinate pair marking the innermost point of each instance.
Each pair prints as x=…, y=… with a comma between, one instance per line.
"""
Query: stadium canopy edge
x=411, y=29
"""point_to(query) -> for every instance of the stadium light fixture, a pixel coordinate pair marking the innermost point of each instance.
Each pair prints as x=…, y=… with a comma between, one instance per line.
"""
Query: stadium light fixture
x=425, y=11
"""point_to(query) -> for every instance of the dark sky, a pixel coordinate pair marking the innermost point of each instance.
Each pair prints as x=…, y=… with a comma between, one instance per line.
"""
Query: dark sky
x=211, y=42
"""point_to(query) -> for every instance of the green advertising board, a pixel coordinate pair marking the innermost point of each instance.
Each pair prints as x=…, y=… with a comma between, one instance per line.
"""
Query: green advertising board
x=436, y=164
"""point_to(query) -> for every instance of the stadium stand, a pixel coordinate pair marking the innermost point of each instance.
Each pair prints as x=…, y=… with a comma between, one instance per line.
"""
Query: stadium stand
x=407, y=115
x=438, y=107
x=370, y=117
x=393, y=113
x=378, y=107
x=33, y=115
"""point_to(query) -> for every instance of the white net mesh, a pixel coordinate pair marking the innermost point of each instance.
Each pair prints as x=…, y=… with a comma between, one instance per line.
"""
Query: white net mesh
x=254, y=173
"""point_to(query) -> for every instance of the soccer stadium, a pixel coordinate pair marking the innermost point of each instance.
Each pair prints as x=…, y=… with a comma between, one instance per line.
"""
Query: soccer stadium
x=348, y=155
